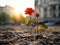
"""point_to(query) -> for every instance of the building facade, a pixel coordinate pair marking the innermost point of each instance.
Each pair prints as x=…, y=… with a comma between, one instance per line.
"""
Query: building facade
x=8, y=10
x=49, y=9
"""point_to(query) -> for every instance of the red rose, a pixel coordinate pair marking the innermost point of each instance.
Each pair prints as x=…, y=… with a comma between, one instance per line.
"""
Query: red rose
x=37, y=14
x=29, y=11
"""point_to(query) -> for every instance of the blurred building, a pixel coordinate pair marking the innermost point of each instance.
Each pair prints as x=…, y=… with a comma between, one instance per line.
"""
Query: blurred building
x=49, y=9
x=8, y=10
x=1, y=9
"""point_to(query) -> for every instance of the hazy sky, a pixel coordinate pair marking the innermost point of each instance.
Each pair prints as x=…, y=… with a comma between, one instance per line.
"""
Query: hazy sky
x=19, y=5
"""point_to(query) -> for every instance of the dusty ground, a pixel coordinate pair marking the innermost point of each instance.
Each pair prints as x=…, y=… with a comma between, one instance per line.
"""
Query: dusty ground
x=54, y=28
x=16, y=35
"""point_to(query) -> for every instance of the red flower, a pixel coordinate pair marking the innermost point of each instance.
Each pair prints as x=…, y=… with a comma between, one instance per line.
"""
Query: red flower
x=29, y=11
x=37, y=14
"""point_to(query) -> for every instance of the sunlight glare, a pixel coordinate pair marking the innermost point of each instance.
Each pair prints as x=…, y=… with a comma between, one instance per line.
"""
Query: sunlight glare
x=18, y=5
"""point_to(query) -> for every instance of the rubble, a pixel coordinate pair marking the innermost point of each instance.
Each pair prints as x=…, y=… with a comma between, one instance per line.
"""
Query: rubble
x=11, y=37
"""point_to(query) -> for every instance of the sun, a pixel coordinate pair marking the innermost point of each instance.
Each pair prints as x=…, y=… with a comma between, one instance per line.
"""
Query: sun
x=18, y=11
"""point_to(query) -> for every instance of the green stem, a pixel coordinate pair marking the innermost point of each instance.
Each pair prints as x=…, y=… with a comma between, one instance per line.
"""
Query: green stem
x=37, y=24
